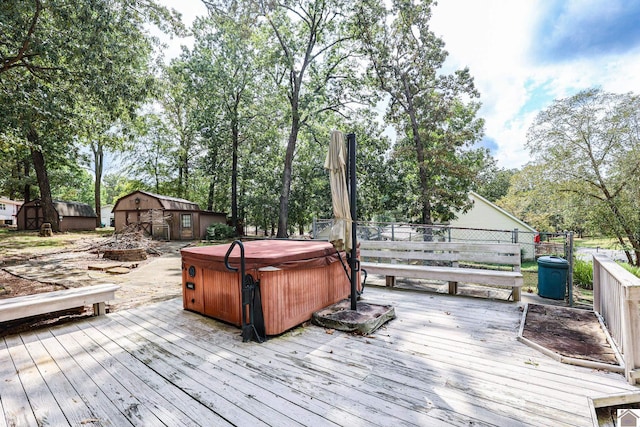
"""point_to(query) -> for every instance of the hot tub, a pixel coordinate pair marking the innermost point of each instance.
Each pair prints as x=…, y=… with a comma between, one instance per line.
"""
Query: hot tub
x=296, y=279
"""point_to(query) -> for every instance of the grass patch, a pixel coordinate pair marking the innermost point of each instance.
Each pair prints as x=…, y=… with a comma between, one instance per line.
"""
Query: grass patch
x=12, y=242
x=597, y=242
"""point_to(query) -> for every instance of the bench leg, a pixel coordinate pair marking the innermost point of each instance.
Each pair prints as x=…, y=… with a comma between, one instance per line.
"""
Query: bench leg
x=453, y=288
x=390, y=281
x=516, y=293
x=99, y=309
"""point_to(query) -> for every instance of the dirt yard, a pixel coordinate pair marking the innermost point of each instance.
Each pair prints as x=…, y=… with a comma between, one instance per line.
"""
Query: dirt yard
x=76, y=261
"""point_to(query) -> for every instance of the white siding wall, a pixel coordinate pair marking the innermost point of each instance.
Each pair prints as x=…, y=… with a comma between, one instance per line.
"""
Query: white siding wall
x=9, y=209
x=106, y=215
x=487, y=216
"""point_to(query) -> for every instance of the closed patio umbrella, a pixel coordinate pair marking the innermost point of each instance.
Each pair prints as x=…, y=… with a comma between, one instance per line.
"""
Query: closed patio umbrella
x=336, y=163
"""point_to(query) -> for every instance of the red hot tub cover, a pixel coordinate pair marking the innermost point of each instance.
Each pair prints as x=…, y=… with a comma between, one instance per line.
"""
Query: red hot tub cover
x=280, y=254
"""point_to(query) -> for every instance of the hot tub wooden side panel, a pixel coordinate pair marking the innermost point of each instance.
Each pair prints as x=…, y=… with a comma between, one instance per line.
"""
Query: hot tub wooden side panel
x=222, y=296
x=290, y=297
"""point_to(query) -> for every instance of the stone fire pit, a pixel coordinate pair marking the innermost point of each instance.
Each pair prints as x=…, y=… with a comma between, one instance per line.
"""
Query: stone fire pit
x=133, y=254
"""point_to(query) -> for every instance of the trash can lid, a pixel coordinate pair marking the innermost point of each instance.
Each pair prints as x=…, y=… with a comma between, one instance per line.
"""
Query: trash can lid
x=553, y=261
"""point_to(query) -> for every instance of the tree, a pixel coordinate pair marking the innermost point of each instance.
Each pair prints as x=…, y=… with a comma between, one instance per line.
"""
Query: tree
x=493, y=183
x=57, y=55
x=178, y=109
x=153, y=160
x=434, y=113
x=589, y=145
x=225, y=77
x=310, y=64
x=531, y=198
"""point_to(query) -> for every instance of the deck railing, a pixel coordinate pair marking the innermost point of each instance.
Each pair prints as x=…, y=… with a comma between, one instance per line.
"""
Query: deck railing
x=616, y=297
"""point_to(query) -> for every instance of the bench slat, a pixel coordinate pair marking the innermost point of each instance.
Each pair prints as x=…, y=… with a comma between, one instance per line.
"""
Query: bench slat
x=443, y=256
x=49, y=302
x=449, y=274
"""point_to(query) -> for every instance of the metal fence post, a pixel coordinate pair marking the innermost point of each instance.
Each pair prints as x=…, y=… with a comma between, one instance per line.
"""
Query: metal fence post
x=514, y=236
x=570, y=272
x=314, y=228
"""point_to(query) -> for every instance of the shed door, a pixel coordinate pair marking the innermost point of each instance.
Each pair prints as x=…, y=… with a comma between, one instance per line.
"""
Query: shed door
x=186, y=226
x=33, y=217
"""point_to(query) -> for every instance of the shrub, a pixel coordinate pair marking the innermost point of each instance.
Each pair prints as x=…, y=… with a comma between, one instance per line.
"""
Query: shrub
x=220, y=232
x=583, y=274
x=631, y=268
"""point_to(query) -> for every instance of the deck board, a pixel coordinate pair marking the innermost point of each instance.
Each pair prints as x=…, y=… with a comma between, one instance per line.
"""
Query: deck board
x=446, y=360
x=157, y=390
x=74, y=409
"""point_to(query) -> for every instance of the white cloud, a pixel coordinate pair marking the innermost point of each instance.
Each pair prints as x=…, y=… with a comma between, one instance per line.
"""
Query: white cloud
x=491, y=38
x=495, y=39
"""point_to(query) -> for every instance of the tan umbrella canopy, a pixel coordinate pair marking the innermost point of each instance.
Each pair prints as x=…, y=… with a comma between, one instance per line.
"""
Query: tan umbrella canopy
x=336, y=163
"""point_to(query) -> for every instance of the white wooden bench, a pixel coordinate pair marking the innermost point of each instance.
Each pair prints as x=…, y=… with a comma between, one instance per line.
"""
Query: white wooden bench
x=441, y=261
x=49, y=302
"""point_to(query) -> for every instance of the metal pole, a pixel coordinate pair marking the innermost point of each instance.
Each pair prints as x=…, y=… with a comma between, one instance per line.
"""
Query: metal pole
x=351, y=140
x=570, y=275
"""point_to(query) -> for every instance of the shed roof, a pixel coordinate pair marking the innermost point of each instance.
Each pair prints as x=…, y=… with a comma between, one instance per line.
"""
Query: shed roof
x=68, y=209
x=168, y=203
x=73, y=209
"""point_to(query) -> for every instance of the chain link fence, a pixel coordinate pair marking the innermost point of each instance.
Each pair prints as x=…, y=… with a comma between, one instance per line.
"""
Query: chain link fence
x=533, y=244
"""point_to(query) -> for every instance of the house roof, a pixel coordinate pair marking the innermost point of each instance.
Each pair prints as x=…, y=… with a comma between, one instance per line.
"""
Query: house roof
x=10, y=201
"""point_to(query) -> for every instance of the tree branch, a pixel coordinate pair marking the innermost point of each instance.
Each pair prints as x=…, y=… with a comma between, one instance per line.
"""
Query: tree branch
x=12, y=61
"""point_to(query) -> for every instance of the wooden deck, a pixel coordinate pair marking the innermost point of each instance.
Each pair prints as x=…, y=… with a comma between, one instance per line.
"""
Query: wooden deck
x=444, y=361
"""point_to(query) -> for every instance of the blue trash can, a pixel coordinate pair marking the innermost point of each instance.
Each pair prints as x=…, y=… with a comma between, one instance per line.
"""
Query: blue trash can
x=552, y=277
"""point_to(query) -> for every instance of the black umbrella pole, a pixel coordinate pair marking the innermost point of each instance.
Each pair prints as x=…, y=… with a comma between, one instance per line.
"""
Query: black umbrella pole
x=351, y=141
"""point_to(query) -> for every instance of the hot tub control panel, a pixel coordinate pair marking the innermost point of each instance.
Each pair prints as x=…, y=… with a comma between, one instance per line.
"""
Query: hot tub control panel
x=192, y=295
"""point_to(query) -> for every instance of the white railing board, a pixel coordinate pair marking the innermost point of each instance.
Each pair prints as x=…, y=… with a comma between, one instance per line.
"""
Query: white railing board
x=616, y=297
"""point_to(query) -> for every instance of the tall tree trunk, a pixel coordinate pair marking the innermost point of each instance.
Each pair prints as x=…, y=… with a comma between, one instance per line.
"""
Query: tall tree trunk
x=234, y=168
x=286, y=175
x=422, y=170
x=212, y=188
x=419, y=146
x=212, y=173
x=49, y=213
x=183, y=168
x=98, y=162
x=26, y=190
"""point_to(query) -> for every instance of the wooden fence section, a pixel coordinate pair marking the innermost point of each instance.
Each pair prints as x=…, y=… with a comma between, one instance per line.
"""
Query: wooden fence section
x=616, y=297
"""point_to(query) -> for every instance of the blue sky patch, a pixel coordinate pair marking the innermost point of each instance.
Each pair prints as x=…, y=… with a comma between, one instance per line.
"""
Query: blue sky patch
x=586, y=28
x=490, y=143
x=539, y=96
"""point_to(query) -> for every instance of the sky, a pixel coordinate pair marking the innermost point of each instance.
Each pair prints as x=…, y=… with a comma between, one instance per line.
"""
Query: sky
x=523, y=54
